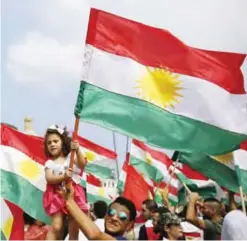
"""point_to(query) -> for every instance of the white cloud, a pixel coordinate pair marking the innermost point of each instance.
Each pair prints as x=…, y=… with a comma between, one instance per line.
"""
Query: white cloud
x=53, y=52
x=40, y=59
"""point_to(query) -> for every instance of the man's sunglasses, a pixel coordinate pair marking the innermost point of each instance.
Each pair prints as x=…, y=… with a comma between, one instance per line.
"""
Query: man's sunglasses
x=121, y=215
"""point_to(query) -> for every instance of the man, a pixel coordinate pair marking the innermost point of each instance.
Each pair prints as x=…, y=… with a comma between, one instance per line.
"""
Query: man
x=97, y=212
x=146, y=230
x=212, y=219
x=119, y=218
x=155, y=221
x=169, y=225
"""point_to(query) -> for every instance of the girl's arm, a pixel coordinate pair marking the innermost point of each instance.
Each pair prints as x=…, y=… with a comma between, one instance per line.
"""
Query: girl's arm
x=81, y=161
x=56, y=179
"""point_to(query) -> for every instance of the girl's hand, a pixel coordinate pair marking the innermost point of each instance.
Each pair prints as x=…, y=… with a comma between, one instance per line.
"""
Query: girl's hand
x=68, y=173
x=75, y=145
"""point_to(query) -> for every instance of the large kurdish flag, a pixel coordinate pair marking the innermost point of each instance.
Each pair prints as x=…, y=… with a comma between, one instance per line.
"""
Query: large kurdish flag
x=22, y=169
x=146, y=83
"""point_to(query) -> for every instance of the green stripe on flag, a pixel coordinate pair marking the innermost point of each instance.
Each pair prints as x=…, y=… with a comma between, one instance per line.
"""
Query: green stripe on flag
x=22, y=193
x=212, y=169
x=147, y=169
x=205, y=192
x=153, y=125
x=99, y=171
x=242, y=177
x=186, y=180
x=3, y=236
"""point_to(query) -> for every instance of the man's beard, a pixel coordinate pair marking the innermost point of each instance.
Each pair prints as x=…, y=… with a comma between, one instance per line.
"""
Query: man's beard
x=115, y=234
x=205, y=216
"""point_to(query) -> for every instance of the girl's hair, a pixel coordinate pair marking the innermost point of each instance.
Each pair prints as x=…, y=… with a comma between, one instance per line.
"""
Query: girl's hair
x=65, y=138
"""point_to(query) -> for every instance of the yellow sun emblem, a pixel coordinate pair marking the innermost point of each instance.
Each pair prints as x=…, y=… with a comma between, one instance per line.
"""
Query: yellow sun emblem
x=29, y=169
x=7, y=228
x=225, y=158
x=160, y=87
x=90, y=156
x=101, y=192
x=148, y=159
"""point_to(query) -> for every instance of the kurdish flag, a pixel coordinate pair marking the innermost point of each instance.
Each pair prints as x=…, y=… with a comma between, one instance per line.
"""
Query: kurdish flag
x=22, y=169
x=154, y=166
x=197, y=182
x=96, y=191
x=229, y=170
x=146, y=83
x=12, y=221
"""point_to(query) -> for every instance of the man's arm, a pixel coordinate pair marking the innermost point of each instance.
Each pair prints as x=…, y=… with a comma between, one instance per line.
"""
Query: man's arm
x=232, y=203
x=191, y=214
x=85, y=224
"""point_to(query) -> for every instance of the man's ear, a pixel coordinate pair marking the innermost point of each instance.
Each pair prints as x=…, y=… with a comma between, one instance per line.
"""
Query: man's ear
x=166, y=228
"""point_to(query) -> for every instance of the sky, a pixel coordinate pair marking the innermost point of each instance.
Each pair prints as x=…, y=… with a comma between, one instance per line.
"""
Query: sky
x=42, y=46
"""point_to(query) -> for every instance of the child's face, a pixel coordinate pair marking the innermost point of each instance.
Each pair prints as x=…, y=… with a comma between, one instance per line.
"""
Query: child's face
x=54, y=145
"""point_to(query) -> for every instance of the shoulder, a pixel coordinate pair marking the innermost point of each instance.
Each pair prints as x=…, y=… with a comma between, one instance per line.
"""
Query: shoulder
x=210, y=225
x=49, y=164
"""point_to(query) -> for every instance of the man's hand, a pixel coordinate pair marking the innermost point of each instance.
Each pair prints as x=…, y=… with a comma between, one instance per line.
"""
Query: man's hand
x=193, y=196
x=67, y=193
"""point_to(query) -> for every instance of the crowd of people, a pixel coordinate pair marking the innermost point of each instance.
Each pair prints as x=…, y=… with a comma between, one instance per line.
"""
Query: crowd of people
x=65, y=202
x=160, y=223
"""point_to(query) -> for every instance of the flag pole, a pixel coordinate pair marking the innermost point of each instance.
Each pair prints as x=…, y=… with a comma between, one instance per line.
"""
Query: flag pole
x=242, y=198
x=175, y=158
x=115, y=149
x=74, y=138
x=127, y=145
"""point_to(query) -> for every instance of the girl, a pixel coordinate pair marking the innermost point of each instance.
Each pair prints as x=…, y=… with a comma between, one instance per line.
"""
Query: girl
x=57, y=148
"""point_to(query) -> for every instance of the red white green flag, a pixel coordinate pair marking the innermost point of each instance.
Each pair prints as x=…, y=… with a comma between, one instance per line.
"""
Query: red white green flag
x=146, y=83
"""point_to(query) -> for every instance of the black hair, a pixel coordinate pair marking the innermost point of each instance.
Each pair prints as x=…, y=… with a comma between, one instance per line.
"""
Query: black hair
x=65, y=138
x=150, y=204
x=100, y=209
x=161, y=210
x=211, y=199
x=128, y=204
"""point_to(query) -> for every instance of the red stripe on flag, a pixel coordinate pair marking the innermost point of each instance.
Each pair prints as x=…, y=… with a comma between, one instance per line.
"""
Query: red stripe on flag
x=96, y=148
x=17, y=232
x=91, y=179
x=32, y=146
x=191, y=173
x=159, y=48
x=172, y=190
x=243, y=145
x=157, y=155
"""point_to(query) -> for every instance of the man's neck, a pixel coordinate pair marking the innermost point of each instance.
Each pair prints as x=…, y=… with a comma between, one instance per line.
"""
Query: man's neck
x=216, y=218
